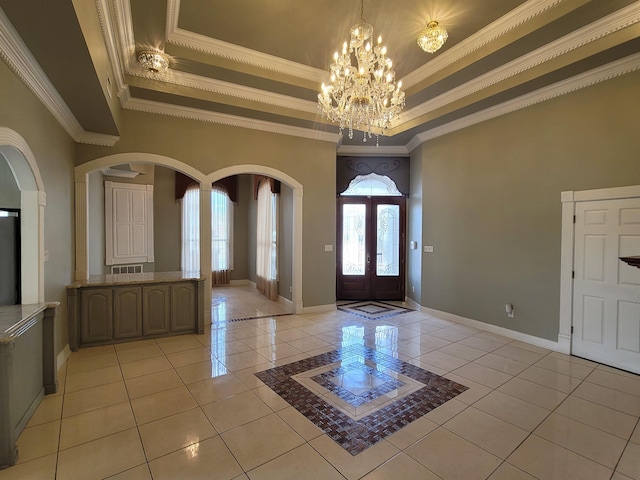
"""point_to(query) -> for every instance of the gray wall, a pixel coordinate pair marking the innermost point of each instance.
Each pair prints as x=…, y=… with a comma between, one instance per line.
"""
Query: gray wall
x=285, y=243
x=491, y=201
x=210, y=147
x=413, y=287
x=53, y=150
x=9, y=191
x=167, y=213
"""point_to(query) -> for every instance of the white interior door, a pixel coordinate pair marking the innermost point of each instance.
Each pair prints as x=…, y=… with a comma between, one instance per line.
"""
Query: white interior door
x=606, y=303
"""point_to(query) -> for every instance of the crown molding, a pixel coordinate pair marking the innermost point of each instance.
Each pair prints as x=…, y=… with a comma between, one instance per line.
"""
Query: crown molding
x=230, y=51
x=592, y=77
x=183, y=79
x=24, y=65
x=608, y=25
x=520, y=15
x=189, y=113
x=362, y=151
x=110, y=37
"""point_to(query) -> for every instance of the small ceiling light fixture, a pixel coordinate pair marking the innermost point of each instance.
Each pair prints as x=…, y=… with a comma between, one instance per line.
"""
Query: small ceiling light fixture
x=363, y=94
x=153, y=61
x=432, y=37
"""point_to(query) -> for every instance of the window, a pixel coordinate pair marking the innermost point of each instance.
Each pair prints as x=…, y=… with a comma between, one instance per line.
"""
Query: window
x=191, y=230
x=221, y=236
x=267, y=242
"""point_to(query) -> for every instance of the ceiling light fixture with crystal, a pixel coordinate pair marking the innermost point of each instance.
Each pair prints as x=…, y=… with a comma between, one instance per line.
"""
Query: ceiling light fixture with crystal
x=432, y=37
x=363, y=94
x=153, y=61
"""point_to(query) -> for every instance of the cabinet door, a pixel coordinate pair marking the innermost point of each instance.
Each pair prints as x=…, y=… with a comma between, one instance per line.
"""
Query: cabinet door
x=96, y=312
x=127, y=312
x=183, y=307
x=156, y=309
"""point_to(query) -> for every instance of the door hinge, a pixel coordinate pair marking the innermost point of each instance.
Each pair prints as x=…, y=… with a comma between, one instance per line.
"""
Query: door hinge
x=574, y=219
x=571, y=329
x=573, y=274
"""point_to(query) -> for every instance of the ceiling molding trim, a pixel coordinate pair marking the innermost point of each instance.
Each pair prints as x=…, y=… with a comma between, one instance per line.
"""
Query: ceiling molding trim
x=91, y=138
x=212, y=85
x=109, y=34
x=202, y=43
x=362, y=151
x=520, y=15
x=20, y=60
x=188, y=113
x=608, y=25
x=587, y=79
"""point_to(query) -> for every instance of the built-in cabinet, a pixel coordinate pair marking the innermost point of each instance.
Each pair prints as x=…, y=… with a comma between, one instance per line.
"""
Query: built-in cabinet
x=135, y=307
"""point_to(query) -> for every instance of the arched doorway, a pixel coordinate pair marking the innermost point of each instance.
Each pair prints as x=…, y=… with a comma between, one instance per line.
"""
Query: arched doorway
x=22, y=163
x=82, y=223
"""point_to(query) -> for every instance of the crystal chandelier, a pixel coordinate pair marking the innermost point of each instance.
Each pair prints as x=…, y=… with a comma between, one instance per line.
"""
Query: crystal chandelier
x=432, y=37
x=153, y=61
x=363, y=94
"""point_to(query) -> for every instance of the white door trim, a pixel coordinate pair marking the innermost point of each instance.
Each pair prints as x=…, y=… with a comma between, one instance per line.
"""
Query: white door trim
x=569, y=200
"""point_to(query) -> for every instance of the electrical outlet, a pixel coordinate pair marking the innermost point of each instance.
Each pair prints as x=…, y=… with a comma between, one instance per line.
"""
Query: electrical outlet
x=428, y=249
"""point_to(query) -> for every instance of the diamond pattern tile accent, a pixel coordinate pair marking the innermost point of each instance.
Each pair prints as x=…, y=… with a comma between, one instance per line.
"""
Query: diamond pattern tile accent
x=353, y=435
x=372, y=310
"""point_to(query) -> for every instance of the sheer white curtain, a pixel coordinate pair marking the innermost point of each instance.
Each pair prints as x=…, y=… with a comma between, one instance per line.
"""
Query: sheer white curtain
x=191, y=230
x=267, y=242
x=221, y=236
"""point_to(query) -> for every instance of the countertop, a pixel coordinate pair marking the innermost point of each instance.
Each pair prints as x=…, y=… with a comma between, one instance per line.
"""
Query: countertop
x=14, y=317
x=136, y=278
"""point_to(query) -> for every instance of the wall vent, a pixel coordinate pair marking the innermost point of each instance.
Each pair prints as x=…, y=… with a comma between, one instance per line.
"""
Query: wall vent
x=126, y=269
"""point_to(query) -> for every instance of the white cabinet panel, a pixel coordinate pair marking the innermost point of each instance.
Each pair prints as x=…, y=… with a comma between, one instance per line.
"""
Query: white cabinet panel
x=128, y=223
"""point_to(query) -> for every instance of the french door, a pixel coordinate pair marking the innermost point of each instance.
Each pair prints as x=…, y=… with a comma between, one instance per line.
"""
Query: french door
x=370, y=248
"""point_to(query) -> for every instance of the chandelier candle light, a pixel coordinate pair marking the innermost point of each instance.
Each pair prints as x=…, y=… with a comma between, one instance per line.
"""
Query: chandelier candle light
x=362, y=95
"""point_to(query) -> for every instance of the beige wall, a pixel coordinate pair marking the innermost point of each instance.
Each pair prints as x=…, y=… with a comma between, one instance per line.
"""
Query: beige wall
x=209, y=147
x=54, y=152
x=491, y=201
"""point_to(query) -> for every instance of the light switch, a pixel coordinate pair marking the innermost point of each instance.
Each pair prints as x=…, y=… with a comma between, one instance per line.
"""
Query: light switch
x=428, y=249
x=328, y=248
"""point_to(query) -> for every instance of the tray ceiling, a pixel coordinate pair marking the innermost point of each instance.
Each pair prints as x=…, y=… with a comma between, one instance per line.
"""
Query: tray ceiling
x=259, y=64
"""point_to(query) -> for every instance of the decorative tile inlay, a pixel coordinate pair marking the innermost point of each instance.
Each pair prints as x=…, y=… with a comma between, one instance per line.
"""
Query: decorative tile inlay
x=372, y=310
x=357, y=383
x=415, y=393
x=256, y=318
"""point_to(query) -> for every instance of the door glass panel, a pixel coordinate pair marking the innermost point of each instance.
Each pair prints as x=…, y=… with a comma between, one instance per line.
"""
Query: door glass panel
x=388, y=236
x=353, y=238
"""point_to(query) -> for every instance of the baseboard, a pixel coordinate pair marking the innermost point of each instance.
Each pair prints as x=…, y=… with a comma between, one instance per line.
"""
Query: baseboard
x=319, y=308
x=62, y=357
x=505, y=332
x=244, y=281
x=285, y=301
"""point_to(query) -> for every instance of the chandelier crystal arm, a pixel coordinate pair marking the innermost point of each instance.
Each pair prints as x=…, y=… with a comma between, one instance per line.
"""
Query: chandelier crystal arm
x=363, y=93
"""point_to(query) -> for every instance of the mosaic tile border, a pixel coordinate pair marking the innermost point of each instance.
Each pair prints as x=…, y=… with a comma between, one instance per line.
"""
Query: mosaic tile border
x=355, y=436
x=257, y=318
x=391, y=310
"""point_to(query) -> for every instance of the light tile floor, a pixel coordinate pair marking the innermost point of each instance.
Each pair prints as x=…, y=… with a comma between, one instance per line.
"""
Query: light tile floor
x=190, y=407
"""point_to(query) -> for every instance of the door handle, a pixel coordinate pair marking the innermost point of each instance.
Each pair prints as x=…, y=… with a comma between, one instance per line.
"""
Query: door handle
x=368, y=258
